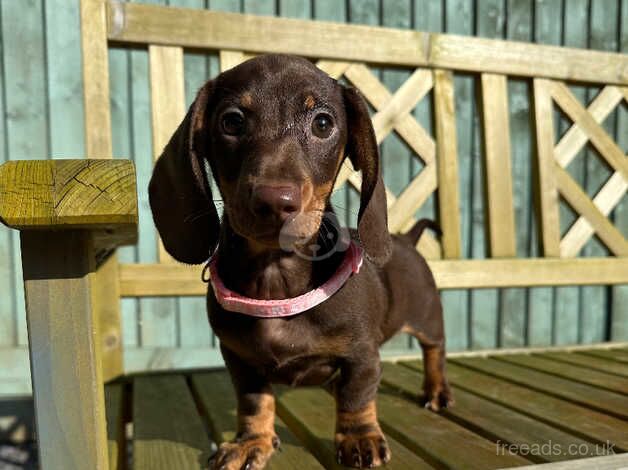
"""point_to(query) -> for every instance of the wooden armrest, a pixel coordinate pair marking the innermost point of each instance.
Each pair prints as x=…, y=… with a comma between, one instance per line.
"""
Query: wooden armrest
x=95, y=195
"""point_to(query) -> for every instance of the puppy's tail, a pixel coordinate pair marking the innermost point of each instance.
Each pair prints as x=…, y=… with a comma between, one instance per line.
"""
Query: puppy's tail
x=416, y=231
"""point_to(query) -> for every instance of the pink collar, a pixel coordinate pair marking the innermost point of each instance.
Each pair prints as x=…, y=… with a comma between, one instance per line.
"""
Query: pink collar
x=235, y=302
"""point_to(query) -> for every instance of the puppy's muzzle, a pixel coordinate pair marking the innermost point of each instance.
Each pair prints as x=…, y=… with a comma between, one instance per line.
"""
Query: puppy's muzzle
x=277, y=201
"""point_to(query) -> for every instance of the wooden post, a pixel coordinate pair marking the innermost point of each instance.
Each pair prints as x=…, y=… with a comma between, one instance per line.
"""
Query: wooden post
x=71, y=213
x=64, y=349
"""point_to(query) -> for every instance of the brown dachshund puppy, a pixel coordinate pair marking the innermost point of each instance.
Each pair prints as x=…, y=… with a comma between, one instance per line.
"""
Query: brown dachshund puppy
x=275, y=131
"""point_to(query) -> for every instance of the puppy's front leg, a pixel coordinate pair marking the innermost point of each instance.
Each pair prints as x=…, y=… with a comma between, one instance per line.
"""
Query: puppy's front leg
x=256, y=439
x=359, y=440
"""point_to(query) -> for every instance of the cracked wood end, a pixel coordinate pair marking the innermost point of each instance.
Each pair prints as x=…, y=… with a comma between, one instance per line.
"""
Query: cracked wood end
x=97, y=195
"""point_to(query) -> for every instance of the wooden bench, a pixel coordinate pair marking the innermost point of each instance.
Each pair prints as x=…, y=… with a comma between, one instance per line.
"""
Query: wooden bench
x=74, y=213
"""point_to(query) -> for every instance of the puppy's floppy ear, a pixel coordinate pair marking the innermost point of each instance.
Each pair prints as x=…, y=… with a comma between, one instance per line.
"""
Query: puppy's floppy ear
x=362, y=150
x=179, y=193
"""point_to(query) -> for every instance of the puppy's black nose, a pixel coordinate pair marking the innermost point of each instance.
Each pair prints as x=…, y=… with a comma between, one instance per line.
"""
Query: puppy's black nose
x=281, y=201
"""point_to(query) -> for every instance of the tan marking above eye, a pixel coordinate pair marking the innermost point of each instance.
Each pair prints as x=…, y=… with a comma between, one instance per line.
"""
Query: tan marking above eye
x=246, y=99
x=309, y=102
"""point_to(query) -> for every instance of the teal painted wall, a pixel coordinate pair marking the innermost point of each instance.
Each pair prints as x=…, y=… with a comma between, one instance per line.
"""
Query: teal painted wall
x=41, y=114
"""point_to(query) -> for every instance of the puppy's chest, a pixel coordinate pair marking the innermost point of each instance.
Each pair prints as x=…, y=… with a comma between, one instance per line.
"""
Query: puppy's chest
x=293, y=352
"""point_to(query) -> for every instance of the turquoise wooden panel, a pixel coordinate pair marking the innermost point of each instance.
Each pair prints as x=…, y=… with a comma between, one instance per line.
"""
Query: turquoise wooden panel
x=619, y=312
x=569, y=314
x=459, y=19
x=484, y=314
x=8, y=327
x=603, y=30
x=193, y=327
x=547, y=30
x=26, y=112
x=41, y=106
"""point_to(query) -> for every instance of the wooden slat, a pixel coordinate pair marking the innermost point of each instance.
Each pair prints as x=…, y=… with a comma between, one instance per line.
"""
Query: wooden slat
x=334, y=69
x=149, y=24
x=168, y=432
x=501, y=219
x=496, y=422
x=229, y=59
x=105, y=287
x=575, y=138
x=547, y=191
x=612, y=354
x=607, y=402
x=310, y=414
x=575, y=419
x=95, y=79
x=605, y=200
x=139, y=280
x=427, y=433
x=412, y=198
x=402, y=102
x=588, y=361
x=581, y=203
x=447, y=163
x=603, y=462
x=64, y=350
x=606, y=147
x=569, y=371
x=114, y=397
x=167, y=94
x=217, y=399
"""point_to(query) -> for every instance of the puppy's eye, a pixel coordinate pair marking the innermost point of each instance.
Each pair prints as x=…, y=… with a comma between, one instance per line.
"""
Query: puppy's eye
x=322, y=126
x=232, y=123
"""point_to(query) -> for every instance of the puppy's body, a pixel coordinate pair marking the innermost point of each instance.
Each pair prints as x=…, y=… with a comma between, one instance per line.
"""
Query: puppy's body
x=371, y=307
x=275, y=131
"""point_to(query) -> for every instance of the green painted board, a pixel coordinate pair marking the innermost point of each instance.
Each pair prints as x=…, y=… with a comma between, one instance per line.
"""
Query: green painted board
x=586, y=395
x=594, y=363
x=167, y=430
x=310, y=413
x=218, y=401
x=572, y=418
x=114, y=402
x=589, y=376
x=497, y=423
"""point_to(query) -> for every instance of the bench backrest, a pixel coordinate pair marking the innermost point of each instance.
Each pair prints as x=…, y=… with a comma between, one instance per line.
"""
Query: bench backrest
x=433, y=60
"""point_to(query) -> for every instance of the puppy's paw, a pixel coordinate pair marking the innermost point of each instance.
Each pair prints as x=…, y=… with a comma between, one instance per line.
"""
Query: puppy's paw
x=244, y=453
x=362, y=450
x=437, y=396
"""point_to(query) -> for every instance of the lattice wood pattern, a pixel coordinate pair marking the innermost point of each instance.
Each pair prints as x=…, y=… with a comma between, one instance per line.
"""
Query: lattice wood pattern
x=433, y=59
x=555, y=180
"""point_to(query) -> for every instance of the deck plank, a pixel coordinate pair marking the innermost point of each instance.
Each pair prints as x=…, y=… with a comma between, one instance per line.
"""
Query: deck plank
x=433, y=436
x=597, y=378
x=612, y=354
x=217, y=398
x=595, y=363
x=586, y=395
x=493, y=421
x=570, y=417
x=310, y=414
x=169, y=433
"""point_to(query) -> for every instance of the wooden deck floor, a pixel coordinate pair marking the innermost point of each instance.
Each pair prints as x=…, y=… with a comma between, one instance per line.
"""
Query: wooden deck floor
x=511, y=410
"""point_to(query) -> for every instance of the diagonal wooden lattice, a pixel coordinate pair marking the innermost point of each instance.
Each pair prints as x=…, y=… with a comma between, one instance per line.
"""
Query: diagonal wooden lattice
x=553, y=160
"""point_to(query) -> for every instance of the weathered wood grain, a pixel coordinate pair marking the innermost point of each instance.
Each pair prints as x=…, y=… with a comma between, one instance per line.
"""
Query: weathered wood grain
x=95, y=78
x=168, y=432
x=64, y=350
x=114, y=402
x=214, y=30
x=218, y=401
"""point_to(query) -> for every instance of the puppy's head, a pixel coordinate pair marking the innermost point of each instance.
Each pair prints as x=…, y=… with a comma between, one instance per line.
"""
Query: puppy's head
x=274, y=131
